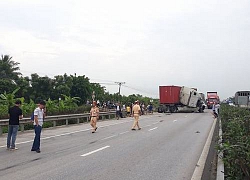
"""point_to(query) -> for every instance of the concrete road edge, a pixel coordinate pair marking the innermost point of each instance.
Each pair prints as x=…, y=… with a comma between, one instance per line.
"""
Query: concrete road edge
x=197, y=175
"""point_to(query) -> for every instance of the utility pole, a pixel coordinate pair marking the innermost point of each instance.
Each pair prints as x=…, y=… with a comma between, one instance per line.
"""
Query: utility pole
x=120, y=84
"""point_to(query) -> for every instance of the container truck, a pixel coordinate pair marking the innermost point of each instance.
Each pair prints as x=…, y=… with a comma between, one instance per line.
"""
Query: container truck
x=212, y=97
x=174, y=97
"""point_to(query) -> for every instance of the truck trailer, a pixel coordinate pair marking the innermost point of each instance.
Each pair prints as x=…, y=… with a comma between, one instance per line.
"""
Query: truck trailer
x=174, y=97
x=242, y=99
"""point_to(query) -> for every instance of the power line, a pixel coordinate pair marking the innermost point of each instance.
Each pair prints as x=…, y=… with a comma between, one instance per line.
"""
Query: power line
x=93, y=79
x=139, y=90
x=104, y=83
x=24, y=52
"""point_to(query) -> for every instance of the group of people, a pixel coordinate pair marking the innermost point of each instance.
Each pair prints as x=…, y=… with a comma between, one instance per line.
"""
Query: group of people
x=16, y=114
x=136, y=112
x=126, y=111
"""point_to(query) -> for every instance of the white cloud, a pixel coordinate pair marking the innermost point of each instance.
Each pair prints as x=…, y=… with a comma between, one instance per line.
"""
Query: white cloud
x=145, y=43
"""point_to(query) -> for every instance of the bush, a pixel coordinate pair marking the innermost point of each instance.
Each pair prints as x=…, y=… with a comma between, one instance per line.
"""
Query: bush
x=236, y=142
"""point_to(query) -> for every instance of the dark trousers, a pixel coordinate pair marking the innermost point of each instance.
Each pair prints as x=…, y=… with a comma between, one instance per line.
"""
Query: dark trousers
x=36, y=143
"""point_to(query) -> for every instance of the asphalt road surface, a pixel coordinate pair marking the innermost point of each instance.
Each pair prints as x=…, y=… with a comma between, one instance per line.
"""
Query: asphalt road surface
x=167, y=147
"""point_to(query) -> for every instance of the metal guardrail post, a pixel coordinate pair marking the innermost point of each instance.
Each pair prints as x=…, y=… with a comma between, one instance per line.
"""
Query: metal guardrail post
x=54, y=123
x=78, y=121
x=22, y=127
x=67, y=122
x=1, y=130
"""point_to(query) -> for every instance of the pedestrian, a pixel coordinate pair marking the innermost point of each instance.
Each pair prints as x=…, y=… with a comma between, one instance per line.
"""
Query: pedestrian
x=15, y=114
x=94, y=116
x=118, y=111
x=128, y=111
x=150, y=109
x=216, y=109
x=143, y=108
x=39, y=115
x=136, y=112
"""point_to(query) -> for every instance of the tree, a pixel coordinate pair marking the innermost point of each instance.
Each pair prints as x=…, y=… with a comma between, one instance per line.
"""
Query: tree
x=25, y=89
x=71, y=101
x=81, y=88
x=8, y=74
x=6, y=86
x=9, y=68
x=42, y=87
x=99, y=91
x=8, y=99
x=62, y=85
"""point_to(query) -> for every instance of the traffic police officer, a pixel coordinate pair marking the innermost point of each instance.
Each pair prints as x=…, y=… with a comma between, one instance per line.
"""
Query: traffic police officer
x=136, y=112
x=94, y=115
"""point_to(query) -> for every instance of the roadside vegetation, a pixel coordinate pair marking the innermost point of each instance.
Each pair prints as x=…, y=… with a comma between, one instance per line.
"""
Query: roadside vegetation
x=64, y=94
x=236, y=142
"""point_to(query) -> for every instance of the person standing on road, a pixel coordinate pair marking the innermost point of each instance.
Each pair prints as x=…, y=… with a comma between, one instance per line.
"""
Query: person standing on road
x=128, y=111
x=217, y=109
x=39, y=115
x=94, y=115
x=15, y=114
x=118, y=111
x=136, y=112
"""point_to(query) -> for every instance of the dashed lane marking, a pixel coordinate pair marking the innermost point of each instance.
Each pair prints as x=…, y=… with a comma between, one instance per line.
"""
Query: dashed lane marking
x=153, y=129
x=124, y=132
x=97, y=150
x=109, y=137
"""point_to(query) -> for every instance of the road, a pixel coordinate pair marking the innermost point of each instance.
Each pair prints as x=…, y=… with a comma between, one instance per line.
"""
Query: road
x=167, y=147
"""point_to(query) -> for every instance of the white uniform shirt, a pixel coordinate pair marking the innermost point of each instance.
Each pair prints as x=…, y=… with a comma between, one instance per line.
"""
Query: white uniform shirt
x=39, y=113
x=216, y=108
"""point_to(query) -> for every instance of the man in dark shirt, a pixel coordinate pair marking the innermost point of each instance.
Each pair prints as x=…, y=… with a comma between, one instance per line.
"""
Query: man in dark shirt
x=15, y=113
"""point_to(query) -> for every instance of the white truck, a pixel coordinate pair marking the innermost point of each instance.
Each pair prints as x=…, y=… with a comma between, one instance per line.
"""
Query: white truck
x=191, y=98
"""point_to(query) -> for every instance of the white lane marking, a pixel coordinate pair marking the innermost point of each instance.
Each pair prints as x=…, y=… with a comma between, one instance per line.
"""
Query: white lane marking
x=124, y=132
x=202, y=160
x=64, y=134
x=92, y=152
x=153, y=129
x=109, y=137
x=155, y=123
x=175, y=120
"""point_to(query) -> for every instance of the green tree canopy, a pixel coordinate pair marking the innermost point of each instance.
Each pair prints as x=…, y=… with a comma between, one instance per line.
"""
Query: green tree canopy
x=9, y=68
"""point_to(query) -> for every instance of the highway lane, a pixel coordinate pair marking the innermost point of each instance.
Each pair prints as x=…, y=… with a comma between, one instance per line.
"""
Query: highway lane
x=167, y=147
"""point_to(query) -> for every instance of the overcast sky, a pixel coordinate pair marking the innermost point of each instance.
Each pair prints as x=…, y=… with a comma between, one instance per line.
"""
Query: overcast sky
x=194, y=43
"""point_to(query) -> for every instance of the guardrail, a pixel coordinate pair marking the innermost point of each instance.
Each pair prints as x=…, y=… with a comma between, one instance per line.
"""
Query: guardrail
x=54, y=119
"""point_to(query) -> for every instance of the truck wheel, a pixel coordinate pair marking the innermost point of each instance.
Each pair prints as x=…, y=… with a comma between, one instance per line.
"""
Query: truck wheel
x=173, y=109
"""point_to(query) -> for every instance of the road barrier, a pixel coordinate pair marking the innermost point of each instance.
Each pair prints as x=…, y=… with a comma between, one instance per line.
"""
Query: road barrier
x=220, y=163
x=55, y=119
